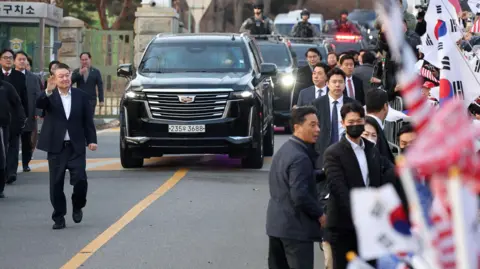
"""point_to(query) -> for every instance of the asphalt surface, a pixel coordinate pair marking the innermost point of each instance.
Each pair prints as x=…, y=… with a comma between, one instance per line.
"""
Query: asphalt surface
x=178, y=212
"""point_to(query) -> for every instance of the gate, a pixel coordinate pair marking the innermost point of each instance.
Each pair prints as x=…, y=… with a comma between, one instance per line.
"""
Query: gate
x=108, y=50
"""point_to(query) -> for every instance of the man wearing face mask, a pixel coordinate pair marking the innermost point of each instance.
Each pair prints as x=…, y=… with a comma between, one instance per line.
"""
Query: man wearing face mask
x=377, y=109
x=406, y=136
x=353, y=162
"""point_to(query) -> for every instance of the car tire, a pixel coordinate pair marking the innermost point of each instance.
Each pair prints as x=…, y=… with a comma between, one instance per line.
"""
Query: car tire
x=255, y=157
x=269, y=141
x=126, y=158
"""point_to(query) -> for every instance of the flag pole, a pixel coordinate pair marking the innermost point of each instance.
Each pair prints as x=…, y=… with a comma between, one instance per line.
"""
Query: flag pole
x=458, y=216
x=408, y=184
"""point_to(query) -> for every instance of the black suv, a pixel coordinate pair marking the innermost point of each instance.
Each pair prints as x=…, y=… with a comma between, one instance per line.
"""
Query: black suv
x=278, y=53
x=198, y=94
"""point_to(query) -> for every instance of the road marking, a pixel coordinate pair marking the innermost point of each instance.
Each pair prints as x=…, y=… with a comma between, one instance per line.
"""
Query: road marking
x=83, y=255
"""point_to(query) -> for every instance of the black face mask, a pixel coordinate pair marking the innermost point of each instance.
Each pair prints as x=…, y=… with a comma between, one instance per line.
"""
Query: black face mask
x=355, y=131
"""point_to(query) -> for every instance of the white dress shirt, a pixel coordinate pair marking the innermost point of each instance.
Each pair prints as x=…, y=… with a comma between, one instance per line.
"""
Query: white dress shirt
x=378, y=120
x=353, y=87
x=6, y=72
x=359, y=151
x=319, y=92
x=67, y=107
x=339, y=106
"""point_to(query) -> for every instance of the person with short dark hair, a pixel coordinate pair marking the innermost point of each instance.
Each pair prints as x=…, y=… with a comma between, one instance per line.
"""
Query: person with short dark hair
x=17, y=79
x=319, y=88
x=294, y=215
x=304, y=74
x=377, y=109
x=34, y=88
x=304, y=29
x=354, y=85
x=365, y=70
x=406, y=136
x=354, y=162
x=332, y=59
x=88, y=79
x=67, y=128
x=258, y=24
x=12, y=115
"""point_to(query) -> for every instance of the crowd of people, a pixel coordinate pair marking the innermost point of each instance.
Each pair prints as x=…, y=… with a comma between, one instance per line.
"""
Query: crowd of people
x=68, y=124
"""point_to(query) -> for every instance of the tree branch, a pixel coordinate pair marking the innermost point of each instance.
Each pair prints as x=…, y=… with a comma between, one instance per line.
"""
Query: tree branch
x=126, y=6
x=102, y=14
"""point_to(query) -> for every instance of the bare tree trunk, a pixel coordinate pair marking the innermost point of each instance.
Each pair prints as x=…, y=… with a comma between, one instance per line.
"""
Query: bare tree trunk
x=127, y=4
x=102, y=13
x=266, y=7
x=300, y=4
x=219, y=16
x=238, y=13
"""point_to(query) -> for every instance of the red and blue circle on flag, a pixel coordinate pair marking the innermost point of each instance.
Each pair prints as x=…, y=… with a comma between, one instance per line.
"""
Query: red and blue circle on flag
x=440, y=29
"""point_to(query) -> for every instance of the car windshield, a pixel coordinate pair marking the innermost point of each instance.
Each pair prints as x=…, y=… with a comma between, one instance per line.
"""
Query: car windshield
x=283, y=29
x=363, y=17
x=341, y=47
x=195, y=57
x=275, y=53
x=301, y=50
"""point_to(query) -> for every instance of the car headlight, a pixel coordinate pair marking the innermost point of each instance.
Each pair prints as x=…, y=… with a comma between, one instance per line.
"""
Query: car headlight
x=242, y=95
x=368, y=31
x=287, y=80
x=371, y=37
x=134, y=95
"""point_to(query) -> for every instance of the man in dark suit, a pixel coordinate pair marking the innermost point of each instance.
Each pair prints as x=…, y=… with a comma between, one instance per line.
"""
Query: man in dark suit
x=354, y=162
x=319, y=88
x=365, y=71
x=354, y=85
x=88, y=79
x=328, y=113
x=68, y=126
x=304, y=74
x=17, y=79
x=33, y=85
x=294, y=216
x=377, y=109
x=12, y=115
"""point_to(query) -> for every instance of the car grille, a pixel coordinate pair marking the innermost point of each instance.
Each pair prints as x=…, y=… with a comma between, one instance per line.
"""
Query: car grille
x=177, y=106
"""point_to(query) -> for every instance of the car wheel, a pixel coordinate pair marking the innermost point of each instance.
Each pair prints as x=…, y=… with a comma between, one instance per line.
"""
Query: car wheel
x=269, y=141
x=126, y=158
x=254, y=158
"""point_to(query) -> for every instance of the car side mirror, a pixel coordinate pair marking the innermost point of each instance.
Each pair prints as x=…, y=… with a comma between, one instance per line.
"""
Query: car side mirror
x=125, y=70
x=268, y=69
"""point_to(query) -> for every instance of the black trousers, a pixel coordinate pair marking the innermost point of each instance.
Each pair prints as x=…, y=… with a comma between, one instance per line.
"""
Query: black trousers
x=342, y=241
x=93, y=104
x=289, y=254
x=58, y=163
x=27, y=148
x=12, y=155
x=3, y=156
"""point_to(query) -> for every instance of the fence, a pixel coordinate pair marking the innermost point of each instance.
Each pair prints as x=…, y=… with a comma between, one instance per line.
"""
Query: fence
x=391, y=128
x=109, y=49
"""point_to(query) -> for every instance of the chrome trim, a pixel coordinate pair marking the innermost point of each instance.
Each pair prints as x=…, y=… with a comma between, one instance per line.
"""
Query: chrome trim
x=137, y=139
x=127, y=132
x=250, y=119
x=188, y=90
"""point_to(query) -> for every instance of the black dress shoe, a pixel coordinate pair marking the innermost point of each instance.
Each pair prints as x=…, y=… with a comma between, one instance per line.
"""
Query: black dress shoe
x=2, y=195
x=77, y=215
x=26, y=169
x=11, y=179
x=59, y=225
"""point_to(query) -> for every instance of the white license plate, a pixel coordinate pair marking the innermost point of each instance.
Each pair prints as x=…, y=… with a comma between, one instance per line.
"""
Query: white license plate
x=186, y=128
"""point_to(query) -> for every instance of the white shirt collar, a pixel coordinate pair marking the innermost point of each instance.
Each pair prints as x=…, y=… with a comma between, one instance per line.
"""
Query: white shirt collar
x=377, y=119
x=68, y=93
x=23, y=71
x=339, y=100
x=347, y=78
x=355, y=145
x=8, y=72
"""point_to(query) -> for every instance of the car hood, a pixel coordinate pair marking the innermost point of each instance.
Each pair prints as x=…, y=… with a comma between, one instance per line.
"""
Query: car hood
x=178, y=80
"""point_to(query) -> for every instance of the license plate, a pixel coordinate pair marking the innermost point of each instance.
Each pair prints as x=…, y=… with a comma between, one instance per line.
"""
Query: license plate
x=186, y=128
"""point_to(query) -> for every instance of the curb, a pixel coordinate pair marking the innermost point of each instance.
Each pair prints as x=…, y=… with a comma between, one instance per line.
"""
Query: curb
x=107, y=125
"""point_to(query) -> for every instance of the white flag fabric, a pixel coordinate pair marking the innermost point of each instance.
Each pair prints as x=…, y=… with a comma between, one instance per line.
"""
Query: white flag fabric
x=380, y=208
x=357, y=263
x=474, y=6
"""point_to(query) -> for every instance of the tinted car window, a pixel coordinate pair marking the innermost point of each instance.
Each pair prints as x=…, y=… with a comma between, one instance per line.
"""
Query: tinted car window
x=275, y=53
x=195, y=57
x=341, y=47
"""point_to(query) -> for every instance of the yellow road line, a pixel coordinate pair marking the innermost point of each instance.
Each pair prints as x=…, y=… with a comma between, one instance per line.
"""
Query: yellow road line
x=82, y=256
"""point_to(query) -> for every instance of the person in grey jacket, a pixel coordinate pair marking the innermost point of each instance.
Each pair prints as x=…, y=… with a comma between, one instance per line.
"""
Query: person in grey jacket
x=294, y=214
x=365, y=71
x=88, y=79
x=34, y=89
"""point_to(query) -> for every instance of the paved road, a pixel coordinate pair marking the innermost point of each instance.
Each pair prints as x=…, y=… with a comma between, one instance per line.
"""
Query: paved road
x=179, y=212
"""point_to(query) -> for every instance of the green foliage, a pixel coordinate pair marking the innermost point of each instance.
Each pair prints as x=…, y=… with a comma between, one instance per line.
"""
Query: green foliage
x=84, y=10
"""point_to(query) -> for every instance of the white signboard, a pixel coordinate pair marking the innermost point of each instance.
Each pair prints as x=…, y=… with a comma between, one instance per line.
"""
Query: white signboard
x=30, y=10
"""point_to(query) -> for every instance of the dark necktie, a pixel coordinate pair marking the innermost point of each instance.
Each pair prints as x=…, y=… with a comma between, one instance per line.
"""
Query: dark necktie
x=334, y=138
x=6, y=74
x=351, y=93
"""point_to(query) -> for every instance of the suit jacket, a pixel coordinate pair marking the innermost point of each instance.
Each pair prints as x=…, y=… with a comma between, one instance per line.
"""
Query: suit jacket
x=382, y=142
x=94, y=80
x=34, y=89
x=343, y=174
x=307, y=96
x=304, y=77
x=322, y=105
x=293, y=209
x=359, y=93
x=79, y=125
x=12, y=114
x=364, y=72
x=17, y=79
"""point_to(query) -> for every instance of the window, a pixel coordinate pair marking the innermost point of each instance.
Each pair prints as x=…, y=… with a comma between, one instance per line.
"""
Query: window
x=195, y=57
x=276, y=53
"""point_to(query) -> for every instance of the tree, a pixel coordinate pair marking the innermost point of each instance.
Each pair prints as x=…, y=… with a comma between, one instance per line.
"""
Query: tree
x=101, y=6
